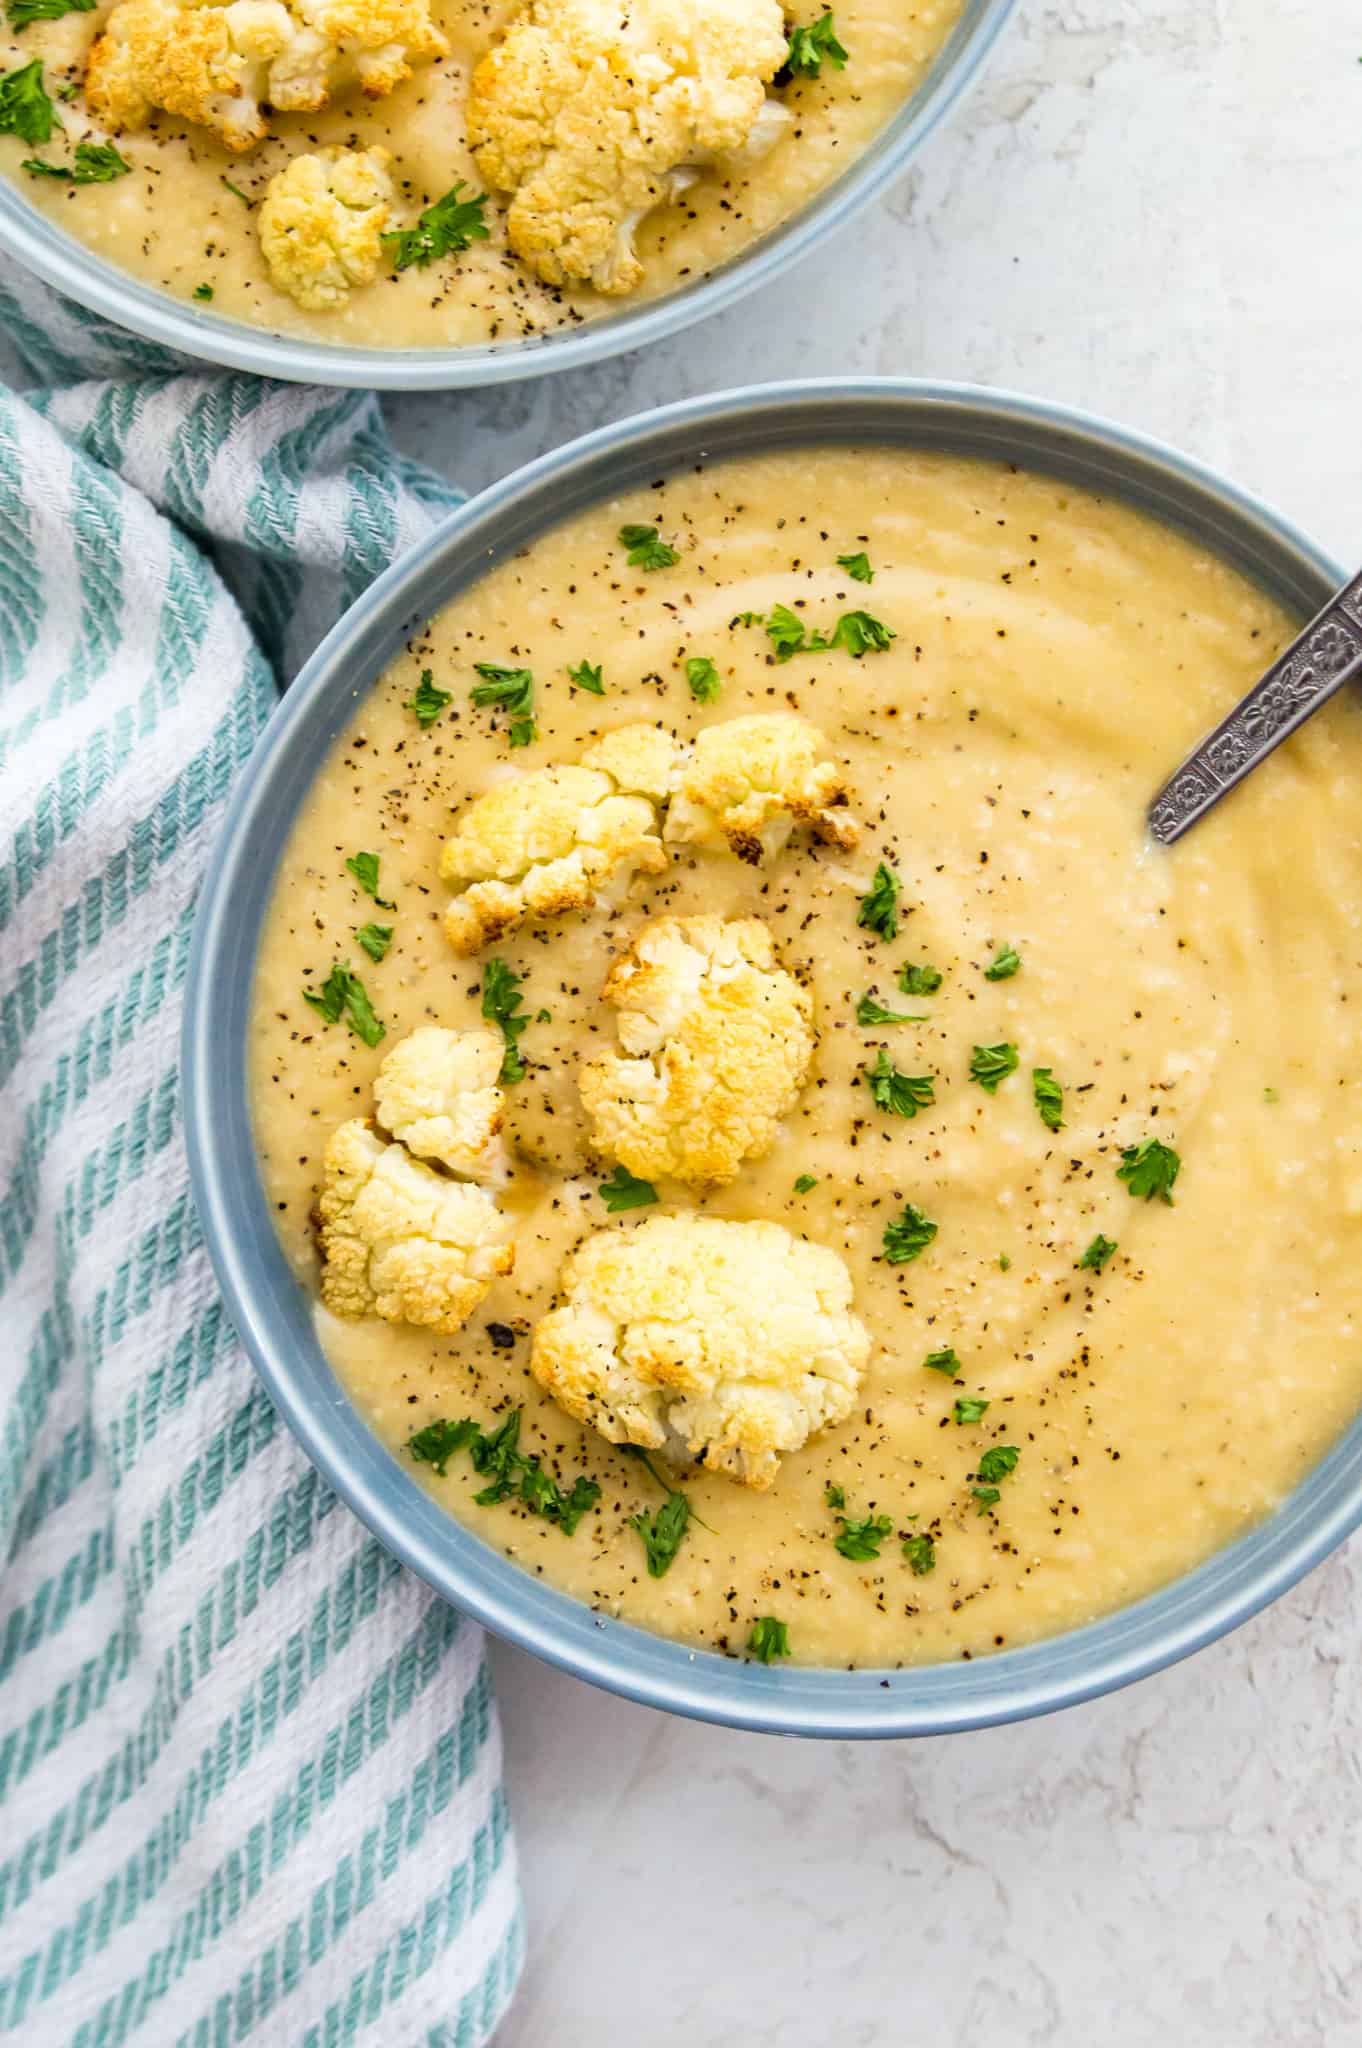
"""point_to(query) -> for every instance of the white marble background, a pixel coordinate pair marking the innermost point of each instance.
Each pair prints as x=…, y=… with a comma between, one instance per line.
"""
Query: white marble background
x=1150, y=208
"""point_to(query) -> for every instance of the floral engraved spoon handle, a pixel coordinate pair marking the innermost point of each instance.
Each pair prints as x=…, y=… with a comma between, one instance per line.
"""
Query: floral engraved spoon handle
x=1318, y=662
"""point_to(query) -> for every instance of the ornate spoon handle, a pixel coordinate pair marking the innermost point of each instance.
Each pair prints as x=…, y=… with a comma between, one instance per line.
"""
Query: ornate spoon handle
x=1318, y=662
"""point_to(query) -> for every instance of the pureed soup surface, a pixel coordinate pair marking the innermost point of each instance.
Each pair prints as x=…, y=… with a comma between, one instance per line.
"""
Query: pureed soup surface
x=1055, y=653
x=176, y=224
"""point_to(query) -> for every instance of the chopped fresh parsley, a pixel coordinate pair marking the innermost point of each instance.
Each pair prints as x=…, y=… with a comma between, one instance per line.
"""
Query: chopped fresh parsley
x=900, y=1094
x=497, y=1456
x=1271, y=1095
x=879, y=911
x=942, y=1361
x=447, y=228
x=1003, y=965
x=343, y=994
x=786, y=632
x=835, y=1496
x=987, y=1497
x=94, y=163
x=375, y=939
x=919, y=981
x=1048, y=1097
x=769, y=1638
x=811, y=46
x=588, y=678
x=970, y=1408
x=702, y=679
x=920, y=1552
x=623, y=1191
x=870, y=1011
x=1098, y=1252
x=908, y=1236
x=364, y=868
x=644, y=549
x=237, y=193
x=1004, y=1263
x=857, y=567
x=428, y=702
x=998, y=1460
x=860, y=633
x=860, y=1541
x=22, y=12
x=204, y=292
x=804, y=1183
x=25, y=109
x=511, y=690
x=501, y=1002
x=662, y=1532
x=1150, y=1169
x=991, y=1064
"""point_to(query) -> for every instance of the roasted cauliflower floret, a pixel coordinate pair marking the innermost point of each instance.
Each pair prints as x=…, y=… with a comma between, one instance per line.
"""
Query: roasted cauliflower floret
x=399, y=1240
x=750, y=781
x=557, y=839
x=220, y=66
x=591, y=113
x=322, y=223
x=726, y=1342
x=437, y=1093
x=718, y=1038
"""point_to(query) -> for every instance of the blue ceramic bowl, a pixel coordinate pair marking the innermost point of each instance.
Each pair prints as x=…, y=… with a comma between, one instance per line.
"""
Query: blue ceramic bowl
x=82, y=276
x=272, y=1312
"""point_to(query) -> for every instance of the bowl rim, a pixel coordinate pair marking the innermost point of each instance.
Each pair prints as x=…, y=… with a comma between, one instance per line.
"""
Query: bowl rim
x=1058, y=1671
x=116, y=295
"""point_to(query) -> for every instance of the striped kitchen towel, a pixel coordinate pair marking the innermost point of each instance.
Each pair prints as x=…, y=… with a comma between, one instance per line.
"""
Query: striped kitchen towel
x=250, y=1772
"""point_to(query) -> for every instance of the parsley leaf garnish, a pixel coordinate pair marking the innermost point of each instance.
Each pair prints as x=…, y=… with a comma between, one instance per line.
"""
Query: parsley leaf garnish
x=769, y=1638
x=920, y=1552
x=343, y=994
x=860, y=634
x=919, y=981
x=645, y=550
x=1098, y=1252
x=860, y=1541
x=375, y=939
x=204, y=292
x=702, y=679
x=811, y=45
x=835, y=1496
x=1048, y=1097
x=509, y=689
x=623, y=1191
x=588, y=678
x=1004, y=1263
x=786, y=632
x=987, y=1497
x=879, y=911
x=900, y=1094
x=991, y=1064
x=501, y=1001
x=970, y=1408
x=22, y=12
x=662, y=1532
x=998, y=1460
x=1003, y=965
x=908, y=1237
x=25, y=109
x=870, y=1011
x=942, y=1361
x=95, y=163
x=497, y=1456
x=857, y=567
x=804, y=1183
x=364, y=868
x=447, y=228
x=428, y=702
x=1150, y=1169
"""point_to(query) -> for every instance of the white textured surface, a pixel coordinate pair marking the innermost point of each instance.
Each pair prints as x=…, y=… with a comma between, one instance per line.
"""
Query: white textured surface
x=1150, y=208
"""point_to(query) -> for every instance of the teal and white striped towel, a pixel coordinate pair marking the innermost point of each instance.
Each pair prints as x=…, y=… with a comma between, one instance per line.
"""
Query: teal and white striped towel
x=250, y=1772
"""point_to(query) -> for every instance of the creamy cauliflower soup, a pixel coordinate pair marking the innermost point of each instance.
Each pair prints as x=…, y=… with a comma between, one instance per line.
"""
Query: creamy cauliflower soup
x=344, y=170
x=953, y=1196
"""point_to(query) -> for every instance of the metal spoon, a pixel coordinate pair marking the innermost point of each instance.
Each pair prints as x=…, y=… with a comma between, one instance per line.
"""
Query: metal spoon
x=1318, y=662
